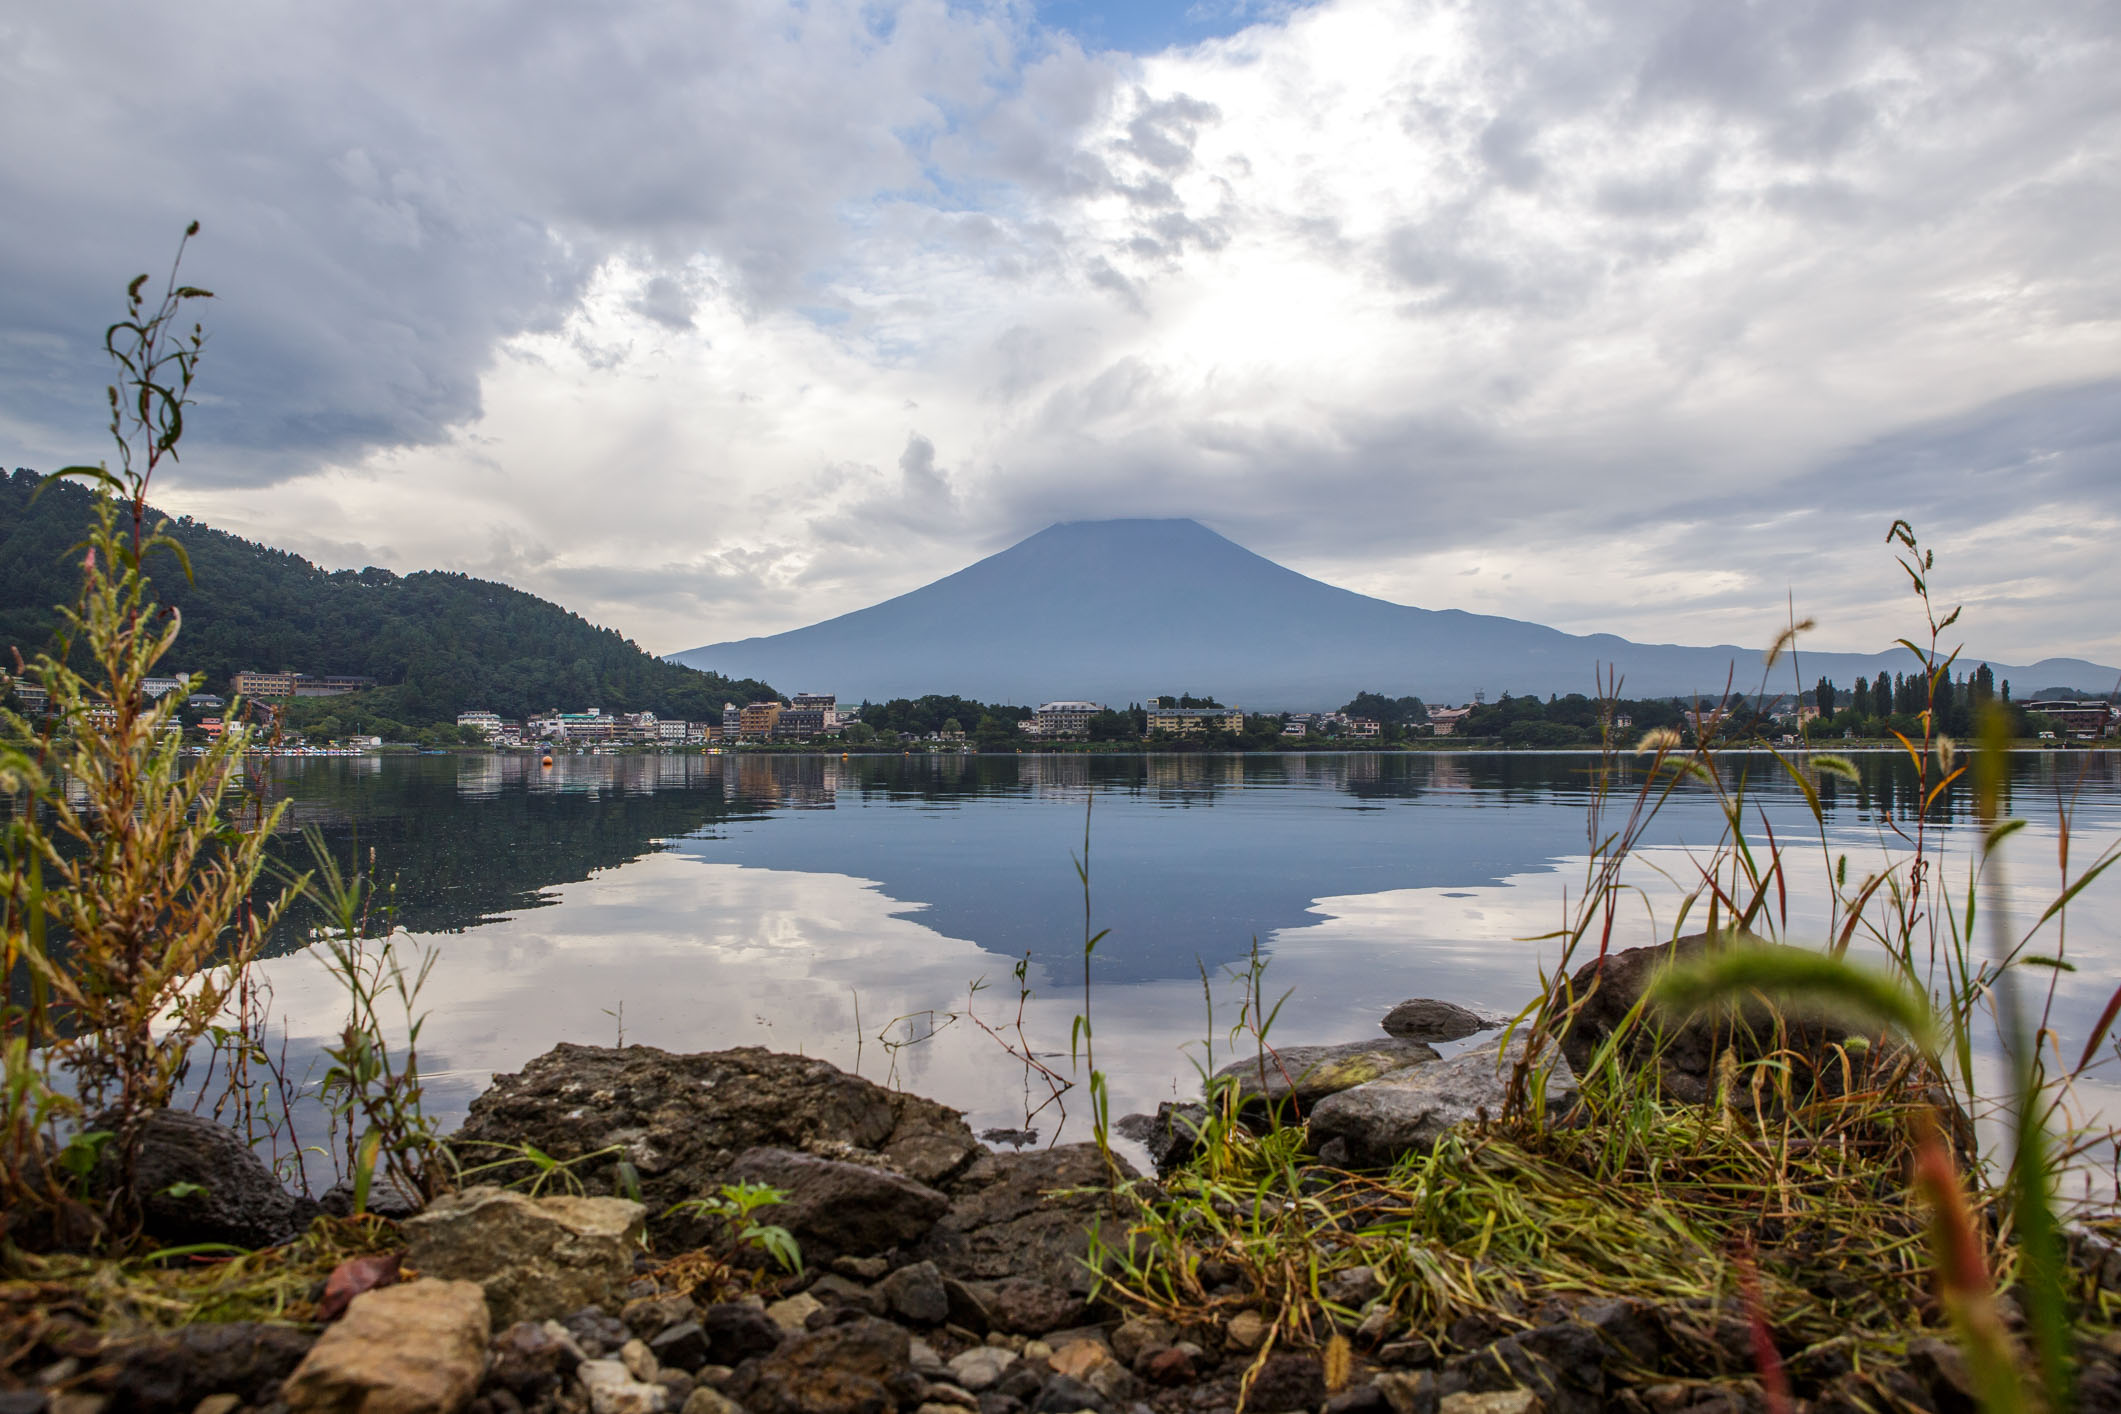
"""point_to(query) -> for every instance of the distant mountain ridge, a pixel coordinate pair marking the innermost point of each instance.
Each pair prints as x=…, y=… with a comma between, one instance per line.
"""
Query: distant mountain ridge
x=1116, y=610
x=436, y=643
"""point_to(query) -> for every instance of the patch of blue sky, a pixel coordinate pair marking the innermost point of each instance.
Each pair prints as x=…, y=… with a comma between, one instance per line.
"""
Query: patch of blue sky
x=1151, y=26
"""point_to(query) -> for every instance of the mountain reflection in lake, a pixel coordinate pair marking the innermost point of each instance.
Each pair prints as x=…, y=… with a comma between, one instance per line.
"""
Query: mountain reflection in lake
x=845, y=908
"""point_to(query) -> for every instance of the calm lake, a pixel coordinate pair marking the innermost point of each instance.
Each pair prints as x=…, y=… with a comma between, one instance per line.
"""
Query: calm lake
x=849, y=908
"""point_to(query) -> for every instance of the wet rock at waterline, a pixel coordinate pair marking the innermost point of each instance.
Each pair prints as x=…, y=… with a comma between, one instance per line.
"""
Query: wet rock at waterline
x=1686, y=1054
x=1426, y=1019
x=1016, y=1238
x=1372, y=1124
x=1171, y=1135
x=1307, y=1074
x=681, y=1120
x=196, y=1181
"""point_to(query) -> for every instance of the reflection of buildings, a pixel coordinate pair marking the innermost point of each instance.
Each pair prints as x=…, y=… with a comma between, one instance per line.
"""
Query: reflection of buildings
x=1043, y=773
x=803, y=782
x=1194, y=778
x=483, y=777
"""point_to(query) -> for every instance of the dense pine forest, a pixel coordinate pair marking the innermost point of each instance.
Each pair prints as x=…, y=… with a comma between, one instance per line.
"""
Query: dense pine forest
x=436, y=643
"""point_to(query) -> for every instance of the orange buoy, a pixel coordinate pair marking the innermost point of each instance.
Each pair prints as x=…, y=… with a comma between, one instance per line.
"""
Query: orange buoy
x=548, y=761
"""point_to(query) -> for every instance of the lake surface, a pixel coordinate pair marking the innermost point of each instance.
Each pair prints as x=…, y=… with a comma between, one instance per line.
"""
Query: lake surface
x=847, y=908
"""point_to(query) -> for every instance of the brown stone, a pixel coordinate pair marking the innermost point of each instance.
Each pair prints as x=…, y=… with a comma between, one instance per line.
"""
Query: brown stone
x=417, y=1348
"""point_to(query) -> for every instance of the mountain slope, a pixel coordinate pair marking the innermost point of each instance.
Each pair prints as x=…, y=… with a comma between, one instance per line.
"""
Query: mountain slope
x=440, y=643
x=1117, y=610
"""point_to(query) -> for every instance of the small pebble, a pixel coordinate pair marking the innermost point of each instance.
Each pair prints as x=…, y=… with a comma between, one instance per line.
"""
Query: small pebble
x=794, y=1313
x=639, y=1361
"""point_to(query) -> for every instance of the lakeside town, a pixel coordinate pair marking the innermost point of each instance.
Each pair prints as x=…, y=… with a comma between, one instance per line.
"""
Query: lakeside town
x=811, y=720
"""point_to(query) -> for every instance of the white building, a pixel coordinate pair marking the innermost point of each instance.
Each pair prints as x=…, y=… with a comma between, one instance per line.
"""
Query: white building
x=160, y=687
x=1444, y=720
x=1062, y=719
x=487, y=724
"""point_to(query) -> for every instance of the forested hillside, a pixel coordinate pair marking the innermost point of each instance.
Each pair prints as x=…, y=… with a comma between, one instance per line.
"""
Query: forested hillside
x=437, y=643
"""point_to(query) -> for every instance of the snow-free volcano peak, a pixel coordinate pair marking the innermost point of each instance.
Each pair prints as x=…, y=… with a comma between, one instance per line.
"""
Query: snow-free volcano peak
x=1117, y=610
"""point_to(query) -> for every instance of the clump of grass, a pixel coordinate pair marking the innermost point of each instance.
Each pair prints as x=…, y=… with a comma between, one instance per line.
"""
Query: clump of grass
x=179, y=1287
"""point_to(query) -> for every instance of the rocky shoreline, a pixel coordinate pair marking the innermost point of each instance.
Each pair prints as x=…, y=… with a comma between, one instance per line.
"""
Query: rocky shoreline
x=938, y=1275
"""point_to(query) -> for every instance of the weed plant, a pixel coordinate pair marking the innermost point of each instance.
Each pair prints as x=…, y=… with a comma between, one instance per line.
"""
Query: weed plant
x=126, y=880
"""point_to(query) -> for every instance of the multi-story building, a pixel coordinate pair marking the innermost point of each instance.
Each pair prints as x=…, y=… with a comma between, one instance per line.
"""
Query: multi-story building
x=1445, y=721
x=800, y=723
x=592, y=725
x=159, y=687
x=756, y=721
x=1367, y=727
x=255, y=685
x=1297, y=724
x=330, y=685
x=35, y=700
x=1061, y=719
x=732, y=719
x=487, y=724
x=1189, y=721
x=2076, y=718
x=826, y=702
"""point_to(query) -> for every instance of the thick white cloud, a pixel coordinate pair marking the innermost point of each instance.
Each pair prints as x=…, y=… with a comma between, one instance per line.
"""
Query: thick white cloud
x=709, y=323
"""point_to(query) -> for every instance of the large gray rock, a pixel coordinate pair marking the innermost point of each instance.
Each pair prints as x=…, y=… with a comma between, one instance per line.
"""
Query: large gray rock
x=681, y=1120
x=1685, y=1049
x=419, y=1348
x=1307, y=1074
x=1408, y=1111
x=1017, y=1239
x=1426, y=1019
x=1171, y=1135
x=535, y=1258
x=196, y=1181
x=837, y=1208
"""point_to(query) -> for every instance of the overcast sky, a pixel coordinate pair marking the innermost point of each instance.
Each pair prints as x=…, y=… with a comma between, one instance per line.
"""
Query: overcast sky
x=715, y=319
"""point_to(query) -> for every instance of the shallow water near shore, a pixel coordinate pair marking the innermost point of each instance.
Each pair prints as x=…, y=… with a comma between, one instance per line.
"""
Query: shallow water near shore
x=849, y=908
